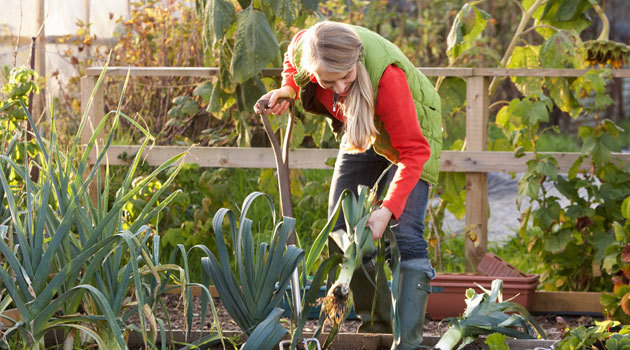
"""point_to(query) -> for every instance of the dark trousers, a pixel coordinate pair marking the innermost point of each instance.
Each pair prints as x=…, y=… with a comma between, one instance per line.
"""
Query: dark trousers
x=352, y=170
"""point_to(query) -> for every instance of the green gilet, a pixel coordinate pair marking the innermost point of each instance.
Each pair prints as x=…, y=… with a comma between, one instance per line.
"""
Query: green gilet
x=379, y=53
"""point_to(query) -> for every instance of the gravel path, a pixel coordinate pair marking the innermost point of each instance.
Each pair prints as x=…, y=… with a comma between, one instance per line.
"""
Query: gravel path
x=503, y=221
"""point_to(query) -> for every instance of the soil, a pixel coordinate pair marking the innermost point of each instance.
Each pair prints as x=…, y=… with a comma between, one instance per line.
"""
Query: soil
x=553, y=325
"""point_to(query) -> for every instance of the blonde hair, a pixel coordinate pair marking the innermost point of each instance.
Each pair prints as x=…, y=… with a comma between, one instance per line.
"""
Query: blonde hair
x=336, y=47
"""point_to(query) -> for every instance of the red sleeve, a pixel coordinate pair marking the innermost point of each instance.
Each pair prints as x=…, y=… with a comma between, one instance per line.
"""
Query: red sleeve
x=288, y=69
x=396, y=109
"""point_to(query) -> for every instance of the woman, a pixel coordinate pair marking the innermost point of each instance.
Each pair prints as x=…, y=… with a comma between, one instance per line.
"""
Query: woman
x=389, y=112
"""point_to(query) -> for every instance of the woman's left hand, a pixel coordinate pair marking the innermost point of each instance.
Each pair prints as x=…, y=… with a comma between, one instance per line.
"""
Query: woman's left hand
x=378, y=221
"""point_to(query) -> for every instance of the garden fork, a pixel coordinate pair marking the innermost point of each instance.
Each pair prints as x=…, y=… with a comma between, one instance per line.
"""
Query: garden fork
x=284, y=184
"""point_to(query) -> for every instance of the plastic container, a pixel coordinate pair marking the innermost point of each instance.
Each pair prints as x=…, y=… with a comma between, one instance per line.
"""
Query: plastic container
x=451, y=302
x=492, y=265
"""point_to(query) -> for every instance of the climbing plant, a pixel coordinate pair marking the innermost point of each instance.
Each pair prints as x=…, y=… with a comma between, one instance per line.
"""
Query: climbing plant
x=577, y=223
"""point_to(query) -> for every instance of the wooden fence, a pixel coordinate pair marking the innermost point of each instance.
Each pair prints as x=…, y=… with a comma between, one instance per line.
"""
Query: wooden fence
x=476, y=161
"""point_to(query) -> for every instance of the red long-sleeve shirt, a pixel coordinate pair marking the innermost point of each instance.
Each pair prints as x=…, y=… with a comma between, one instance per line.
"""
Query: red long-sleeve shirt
x=396, y=109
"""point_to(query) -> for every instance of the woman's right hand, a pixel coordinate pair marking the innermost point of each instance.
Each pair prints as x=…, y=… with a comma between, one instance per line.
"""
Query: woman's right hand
x=273, y=105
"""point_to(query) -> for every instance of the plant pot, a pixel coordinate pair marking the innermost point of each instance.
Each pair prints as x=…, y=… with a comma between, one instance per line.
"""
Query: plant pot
x=451, y=301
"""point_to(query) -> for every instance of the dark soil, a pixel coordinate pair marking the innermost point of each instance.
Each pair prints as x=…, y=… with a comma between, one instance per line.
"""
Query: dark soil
x=554, y=325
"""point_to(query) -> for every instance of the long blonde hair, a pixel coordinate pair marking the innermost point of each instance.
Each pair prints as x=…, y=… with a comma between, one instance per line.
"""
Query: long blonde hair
x=336, y=47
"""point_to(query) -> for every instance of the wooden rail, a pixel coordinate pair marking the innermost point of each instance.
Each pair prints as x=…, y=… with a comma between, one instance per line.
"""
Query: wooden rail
x=475, y=161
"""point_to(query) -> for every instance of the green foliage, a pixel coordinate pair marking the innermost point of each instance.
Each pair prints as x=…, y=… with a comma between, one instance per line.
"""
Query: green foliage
x=618, y=341
x=469, y=23
x=616, y=263
x=21, y=82
x=157, y=33
x=583, y=337
x=569, y=15
x=245, y=41
x=496, y=341
x=71, y=261
x=615, y=305
x=255, y=46
x=188, y=218
x=560, y=230
x=250, y=295
x=584, y=225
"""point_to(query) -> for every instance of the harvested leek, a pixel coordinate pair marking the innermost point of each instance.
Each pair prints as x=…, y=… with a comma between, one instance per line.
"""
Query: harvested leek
x=486, y=313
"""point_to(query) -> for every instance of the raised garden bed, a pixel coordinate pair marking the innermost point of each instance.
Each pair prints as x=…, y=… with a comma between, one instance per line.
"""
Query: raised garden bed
x=552, y=324
x=343, y=341
x=568, y=306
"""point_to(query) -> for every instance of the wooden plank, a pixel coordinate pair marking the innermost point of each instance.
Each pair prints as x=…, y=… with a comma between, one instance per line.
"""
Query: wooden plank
x=170, y=71
x=567, y=302
x=446, y=72
x=477, y=101
x=54, y=39
x=476, y=218
x=429, y=71
x=453, y=161
x=39, y=99
x=95, y=114
x=542, y=72
x=236, y=157
x=224, y=157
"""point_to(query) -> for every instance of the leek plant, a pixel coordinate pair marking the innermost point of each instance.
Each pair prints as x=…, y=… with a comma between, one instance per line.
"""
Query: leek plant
x=74, y=263
x=356, y=243
x=250, y=294
x=487, y=313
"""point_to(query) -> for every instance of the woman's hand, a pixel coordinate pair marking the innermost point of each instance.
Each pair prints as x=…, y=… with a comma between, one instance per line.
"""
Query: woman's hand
x=272, y=96
x=378, y=221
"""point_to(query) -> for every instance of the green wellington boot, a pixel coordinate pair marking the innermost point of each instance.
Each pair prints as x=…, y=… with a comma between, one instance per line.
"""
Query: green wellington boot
x=362, y=296
x=413, y=294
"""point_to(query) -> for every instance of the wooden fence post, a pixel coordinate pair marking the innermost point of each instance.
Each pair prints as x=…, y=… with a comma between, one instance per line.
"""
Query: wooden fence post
x=476, y=183
x=94, y=116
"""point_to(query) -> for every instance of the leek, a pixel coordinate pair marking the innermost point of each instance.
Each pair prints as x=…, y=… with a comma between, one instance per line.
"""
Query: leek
x=486, y=313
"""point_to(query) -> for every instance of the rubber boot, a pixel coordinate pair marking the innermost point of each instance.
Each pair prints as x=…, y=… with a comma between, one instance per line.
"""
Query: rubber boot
x=413, y=294
x=378, y=321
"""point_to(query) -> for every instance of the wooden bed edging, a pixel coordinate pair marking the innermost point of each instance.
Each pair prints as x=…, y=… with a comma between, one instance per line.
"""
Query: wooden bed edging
x=543, y=301
x=566, y=302
x=343, y=341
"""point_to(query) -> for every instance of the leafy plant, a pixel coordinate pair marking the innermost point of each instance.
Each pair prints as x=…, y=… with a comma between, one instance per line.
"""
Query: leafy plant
x=250, y=295
x=547, y=36
x=487, y=313
x=619, y=341
x=584, y=225
x=584, y=337
x=617, y=263
x=156, y=34
x=202, y=192
x=496, y=341
x=356, y=242
x=517, y=124
x=72, y=262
